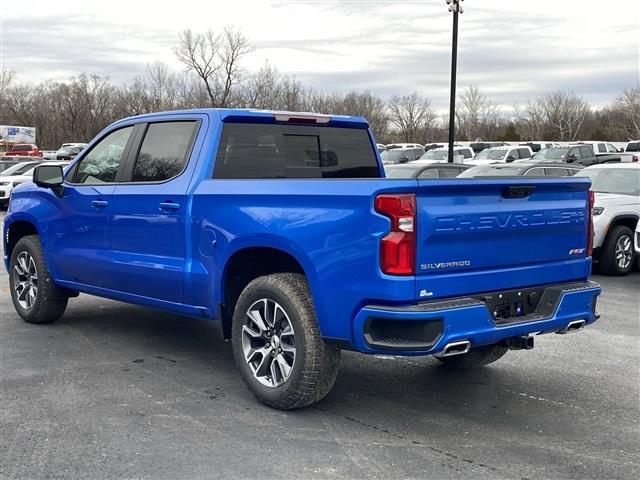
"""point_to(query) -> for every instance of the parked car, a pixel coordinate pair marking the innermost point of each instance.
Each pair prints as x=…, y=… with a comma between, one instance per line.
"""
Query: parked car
x=599, y=147
x=529, y=169
x=431, y=146
x=616, y=213
x=477, y=147
x=582, y=154
x=69, y=153
x=24, y=150
x=381, y=147
x=608, y=153
x=420, y=169
x=441, y=154
x=12, y=176
x=221, y=214
x=6, y=162
x=501, y=155
x=401, y=153
x=536, y=146
x=49, y=154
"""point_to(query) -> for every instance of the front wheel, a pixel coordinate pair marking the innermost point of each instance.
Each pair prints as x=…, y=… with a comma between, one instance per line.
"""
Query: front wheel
x=277, y=344
x=477, y=357
x=35, y=297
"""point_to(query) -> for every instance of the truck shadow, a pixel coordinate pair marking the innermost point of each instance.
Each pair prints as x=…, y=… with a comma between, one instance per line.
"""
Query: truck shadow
x=406, y=386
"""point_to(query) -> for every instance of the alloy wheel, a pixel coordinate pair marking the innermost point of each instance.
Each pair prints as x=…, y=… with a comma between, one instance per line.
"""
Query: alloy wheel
x=25, y=280
x=624, y=253
x=268, y=342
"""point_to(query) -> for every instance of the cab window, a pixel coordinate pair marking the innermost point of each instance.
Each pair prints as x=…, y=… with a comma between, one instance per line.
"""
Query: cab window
x=164, y=150
x=101, y=164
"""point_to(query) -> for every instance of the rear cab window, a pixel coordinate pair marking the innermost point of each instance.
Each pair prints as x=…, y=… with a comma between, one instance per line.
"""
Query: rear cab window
x=254, y=151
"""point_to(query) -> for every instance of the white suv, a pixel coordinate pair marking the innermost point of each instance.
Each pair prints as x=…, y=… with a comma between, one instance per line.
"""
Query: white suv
x=502, y=155
x=615, y=214
x=441, y=154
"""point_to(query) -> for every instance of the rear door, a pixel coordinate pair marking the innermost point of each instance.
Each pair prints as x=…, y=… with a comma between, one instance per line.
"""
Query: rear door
x=481, y=235
x=148, y=234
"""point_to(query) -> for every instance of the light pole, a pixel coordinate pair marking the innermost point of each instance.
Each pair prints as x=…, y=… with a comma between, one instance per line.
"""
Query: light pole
x=455, y=8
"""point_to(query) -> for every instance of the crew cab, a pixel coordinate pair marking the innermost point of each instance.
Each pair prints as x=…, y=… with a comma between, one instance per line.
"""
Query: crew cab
x=282, y=227
x=608, y=153
x=581, y=154
x=24, y=150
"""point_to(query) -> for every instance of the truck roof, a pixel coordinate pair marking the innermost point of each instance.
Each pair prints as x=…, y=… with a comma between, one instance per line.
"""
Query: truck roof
x=268, y=116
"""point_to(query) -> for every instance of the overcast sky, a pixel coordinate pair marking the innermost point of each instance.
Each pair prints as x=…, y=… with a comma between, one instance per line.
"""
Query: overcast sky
x=511, y=49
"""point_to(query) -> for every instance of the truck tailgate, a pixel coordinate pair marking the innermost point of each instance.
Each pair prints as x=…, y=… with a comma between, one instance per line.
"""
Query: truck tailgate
x=475, y=236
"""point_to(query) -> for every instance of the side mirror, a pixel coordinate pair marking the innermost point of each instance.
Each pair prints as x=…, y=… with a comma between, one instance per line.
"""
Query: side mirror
x=404, y=159
x=49, y=176
x=572, y=158
x=510, y=158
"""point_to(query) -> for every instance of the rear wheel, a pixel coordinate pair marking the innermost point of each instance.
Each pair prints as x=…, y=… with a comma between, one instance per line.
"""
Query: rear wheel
x=477, y=357
x=35, y=297
x=617, y=255
x=277, y=344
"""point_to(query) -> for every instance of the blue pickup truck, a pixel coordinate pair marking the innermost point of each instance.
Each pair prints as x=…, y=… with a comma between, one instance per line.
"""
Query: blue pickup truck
x=282, y=227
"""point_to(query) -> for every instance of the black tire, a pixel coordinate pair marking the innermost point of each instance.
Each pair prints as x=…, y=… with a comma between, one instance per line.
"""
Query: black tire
x=607, y=262
x=49, y=302
x=477, y=357
x=315, y=365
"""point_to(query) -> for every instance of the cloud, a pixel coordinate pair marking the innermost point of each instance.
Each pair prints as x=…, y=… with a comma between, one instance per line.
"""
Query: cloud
x=511, y=51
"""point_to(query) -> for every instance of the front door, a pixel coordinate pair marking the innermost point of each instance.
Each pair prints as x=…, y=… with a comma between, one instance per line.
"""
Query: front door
x=79, y=236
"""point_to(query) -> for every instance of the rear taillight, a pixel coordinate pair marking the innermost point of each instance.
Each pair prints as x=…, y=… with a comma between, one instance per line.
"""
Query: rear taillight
x=634, y=159
x=398, y=247
x=590, y=231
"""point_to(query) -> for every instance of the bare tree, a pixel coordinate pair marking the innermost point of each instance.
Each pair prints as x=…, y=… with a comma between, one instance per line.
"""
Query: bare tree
x=215, y=59
x=6, y=78
x=234, y=47
x=565, y=113
x=624, y=113
x=477, y=117
x=531, y=119
x=412, y=116
x=199, y=52
x=262, y=88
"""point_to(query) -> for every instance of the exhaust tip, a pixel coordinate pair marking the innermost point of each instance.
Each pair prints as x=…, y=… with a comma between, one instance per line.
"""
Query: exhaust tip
x=455, y=348
x=572, y=327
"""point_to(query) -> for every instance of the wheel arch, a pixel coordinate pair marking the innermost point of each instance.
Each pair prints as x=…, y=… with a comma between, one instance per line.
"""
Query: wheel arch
x=628, y=220
x=15, y=230
x=246, y=264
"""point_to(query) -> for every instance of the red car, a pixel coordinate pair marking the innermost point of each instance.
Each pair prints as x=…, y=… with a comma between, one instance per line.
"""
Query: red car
x=24, y=150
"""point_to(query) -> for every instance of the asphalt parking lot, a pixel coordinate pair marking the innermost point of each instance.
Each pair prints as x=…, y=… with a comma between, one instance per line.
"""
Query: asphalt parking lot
x=120, y=391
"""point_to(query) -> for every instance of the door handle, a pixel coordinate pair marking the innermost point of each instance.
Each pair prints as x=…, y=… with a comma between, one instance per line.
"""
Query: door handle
x=99, y=204
x=169, y=206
